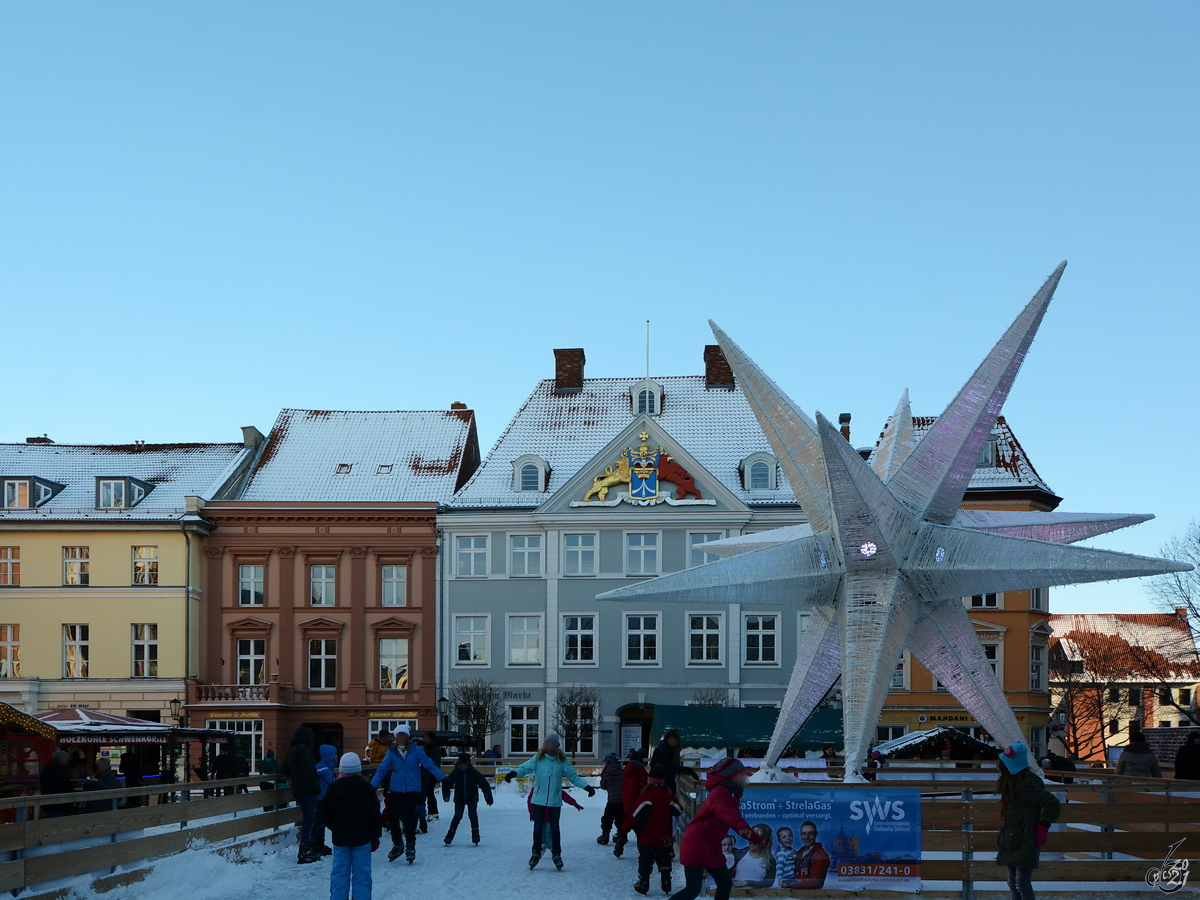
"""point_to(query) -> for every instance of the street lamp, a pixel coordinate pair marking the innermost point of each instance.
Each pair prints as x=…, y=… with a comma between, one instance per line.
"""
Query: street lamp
x=176, y=704
x=443, y=706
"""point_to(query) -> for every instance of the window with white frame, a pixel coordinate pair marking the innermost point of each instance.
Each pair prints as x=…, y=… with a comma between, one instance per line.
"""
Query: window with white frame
x=530, y=474
x=76, y=651
x=76, y=563
x=641, y=554
x=889, y=732
x=579, y=640
x=16, y=494
x=250, y=585
x=251, y=661
x=646, y=397
x=641, y=639
x=112, y=493
x=322, y=664
x=145, y=651
x=10, y=651
x=531, y=477
x=646, y=402
x=322, y=585
x=579, y=554
x=898, y=674
x=696, y=554
x=584, y=718
x=760, y=476
x=759, y=472
x=472, y=555
x=10, y=566
x=524, y=729
x=393, y=590
x=524, y=640
x=1037, y=740
x=251, y=731
x=471, y=640
x=985, y=601
x=1037, y=667
x=704, y=639
x=145, y=565
x=525, y=555
x=393, y=664
x=761, y=635
x=1037, y=598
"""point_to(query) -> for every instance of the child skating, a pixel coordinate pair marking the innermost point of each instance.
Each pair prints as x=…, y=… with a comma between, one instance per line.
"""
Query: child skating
x=549, y=767
x=652, y=819
x=352, y=817
x=467, y=783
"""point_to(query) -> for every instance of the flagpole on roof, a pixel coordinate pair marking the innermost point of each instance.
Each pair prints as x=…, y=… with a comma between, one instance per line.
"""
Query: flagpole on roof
x=647, y=348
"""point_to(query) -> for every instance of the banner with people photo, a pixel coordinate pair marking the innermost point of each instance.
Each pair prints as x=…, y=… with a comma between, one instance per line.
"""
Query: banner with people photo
x=833, y=838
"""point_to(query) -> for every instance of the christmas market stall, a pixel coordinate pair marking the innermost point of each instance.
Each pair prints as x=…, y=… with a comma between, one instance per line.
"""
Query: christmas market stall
x=25, y=746
x=942, y=742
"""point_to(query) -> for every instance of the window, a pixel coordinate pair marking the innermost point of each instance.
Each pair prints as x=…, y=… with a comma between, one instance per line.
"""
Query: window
x=1135, y=696
x=641, y=639
x=524, y=729
x=704, y=639
x=584, y=718
x=988, y=458
x=145, y=651
x=247, y=728
x=530, y=474
x=393, y=586
x=646, y=402
x=889, y=732
x=384, y=469
x=1114, y=695
x=992, y=652
x=696, y=554
x=75, y=651
x=1037, y=598
x=1074, y=666
x=1113, y=726
x=471, y=638
x=524, y=640
x=112, y=494
x=1185, y=696
x=530, y=477
x=641, y=554
x=10, y=566
x=145, y=565
x=1164, y=696
x=322, y=664
x=393, y=664
x=250, y=585
x=389, y=726
x=75, y=566
x=1037, y=667
x=985, y=601
x=579, y=554
x=898, y=674
x=526, y=555
x=1037, y=740
x=579, y=640
x=1164, y=723
x=343, y=468
x=322, y=582
x=472, y=556
x=10, y=651
x=759, y=472
x=762, y=640
x=760, y=476
x=16, y=494
x=646, y=398
x=251, y=661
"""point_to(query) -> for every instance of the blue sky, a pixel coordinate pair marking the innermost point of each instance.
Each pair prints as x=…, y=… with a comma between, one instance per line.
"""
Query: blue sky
x=213, y=210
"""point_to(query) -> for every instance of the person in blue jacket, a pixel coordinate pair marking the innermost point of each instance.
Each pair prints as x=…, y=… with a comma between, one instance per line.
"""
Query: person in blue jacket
x=325, y=775
x=549, y=767
x=401, y=770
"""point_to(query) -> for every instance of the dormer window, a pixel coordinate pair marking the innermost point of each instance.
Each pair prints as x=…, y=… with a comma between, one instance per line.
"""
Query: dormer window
x=28, y=493
x=343, y=468
x=759, y=472
x=531, y=474
x=120, y=493
x=990, y=456
x=646, y=398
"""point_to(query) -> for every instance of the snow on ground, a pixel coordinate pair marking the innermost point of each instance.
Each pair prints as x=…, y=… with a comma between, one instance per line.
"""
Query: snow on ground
x=498, y=868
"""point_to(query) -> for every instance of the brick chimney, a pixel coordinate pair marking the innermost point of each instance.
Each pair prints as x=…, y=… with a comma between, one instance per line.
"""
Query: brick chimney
x=568, y=370
x=1182, y=612
x=844, y=423
x=38, y=440
x=717, y=371
x=458, y=404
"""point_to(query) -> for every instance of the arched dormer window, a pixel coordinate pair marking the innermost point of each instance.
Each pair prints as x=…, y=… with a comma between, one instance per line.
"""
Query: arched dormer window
x=646, y=398
x=531, y=474
x=759, y=472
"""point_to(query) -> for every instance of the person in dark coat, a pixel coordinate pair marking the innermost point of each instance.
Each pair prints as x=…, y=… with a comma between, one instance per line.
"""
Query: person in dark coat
x=653, y=820
x=467, y=783
x=430, y=745
x=301, y=769
x=103, y=779
x=1137, y=760
x=223, y=767
x=1027, y=810
x=326, y=769
x=612, y=779
x=633, y=779
x=56, y=780
x=1055, y=763
x=666, y=754
x=1187, y=758
x=355, y=827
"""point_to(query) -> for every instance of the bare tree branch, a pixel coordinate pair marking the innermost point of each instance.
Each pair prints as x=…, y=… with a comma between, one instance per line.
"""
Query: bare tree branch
x=576, y=716
x=711, y=696
x=478, y=706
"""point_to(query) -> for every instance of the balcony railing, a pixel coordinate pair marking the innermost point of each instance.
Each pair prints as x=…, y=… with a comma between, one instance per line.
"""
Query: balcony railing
x=234, y=693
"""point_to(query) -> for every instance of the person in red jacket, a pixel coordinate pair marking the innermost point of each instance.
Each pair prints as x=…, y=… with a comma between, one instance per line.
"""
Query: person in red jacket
x=632, y=783
x=652, y=818
x=700, y=849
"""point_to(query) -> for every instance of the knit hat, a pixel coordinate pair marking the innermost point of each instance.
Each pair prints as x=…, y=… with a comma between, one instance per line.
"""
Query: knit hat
x=656, y=774
x=1015, y=758
x=553, y=738
x=464, y=757
x=401, y=729
x=726, y=768
x=612, y=758
x=350, y=764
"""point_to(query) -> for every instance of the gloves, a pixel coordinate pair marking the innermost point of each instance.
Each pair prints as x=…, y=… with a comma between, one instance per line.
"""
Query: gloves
x=374, y=845
x=489, y=802
x=619, y=850
x=752, y=836
x=510, y=776
x=591, y=791
x=1040, y=834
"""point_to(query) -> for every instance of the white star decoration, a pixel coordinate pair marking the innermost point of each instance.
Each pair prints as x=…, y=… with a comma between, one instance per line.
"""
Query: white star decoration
x=888, y=555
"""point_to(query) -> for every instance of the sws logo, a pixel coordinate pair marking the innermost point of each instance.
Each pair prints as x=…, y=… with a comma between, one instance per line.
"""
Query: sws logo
x=876, y=810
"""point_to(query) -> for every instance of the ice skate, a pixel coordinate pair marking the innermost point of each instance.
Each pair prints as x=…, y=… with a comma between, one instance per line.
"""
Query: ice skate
x=394, y=853
x=558, y=863
x=642, y=887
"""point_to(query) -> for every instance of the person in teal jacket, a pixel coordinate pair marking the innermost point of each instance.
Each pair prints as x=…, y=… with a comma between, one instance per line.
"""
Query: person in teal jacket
x=401, y=769
x=549, y=767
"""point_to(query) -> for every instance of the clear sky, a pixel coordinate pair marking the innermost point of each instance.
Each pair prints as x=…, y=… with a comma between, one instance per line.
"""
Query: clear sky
x=213, y=210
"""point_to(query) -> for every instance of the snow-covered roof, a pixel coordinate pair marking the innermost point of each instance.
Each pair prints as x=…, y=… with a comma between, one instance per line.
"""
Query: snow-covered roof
x=174, y=471
x=334, y=455
x=715, y=426
x=1127, y=645
x=913, y=738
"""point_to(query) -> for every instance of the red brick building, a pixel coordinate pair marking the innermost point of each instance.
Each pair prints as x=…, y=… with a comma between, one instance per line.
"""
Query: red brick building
x=321, y=578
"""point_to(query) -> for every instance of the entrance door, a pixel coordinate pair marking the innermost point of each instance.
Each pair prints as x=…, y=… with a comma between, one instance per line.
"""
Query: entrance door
x=326, y=733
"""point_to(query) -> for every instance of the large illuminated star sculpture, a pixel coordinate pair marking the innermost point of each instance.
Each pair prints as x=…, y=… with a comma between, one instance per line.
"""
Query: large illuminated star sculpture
x=887, y=555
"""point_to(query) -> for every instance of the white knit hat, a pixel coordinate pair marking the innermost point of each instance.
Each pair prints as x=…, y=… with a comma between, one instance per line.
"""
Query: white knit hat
x=401, y=729
x=350, y=764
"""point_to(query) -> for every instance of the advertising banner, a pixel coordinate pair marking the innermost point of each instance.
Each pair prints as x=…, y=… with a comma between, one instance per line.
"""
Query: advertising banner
x=832, y=838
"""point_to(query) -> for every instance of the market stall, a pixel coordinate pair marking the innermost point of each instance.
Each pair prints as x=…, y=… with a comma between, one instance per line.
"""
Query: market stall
x=25, y=746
